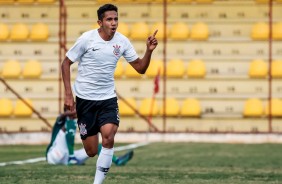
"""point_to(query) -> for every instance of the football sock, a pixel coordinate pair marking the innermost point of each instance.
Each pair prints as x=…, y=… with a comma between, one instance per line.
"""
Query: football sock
x=70, y=135
x=103, y=164
x=114, y=159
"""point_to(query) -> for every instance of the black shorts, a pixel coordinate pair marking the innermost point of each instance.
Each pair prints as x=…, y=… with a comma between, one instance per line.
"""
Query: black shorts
x=91, y=115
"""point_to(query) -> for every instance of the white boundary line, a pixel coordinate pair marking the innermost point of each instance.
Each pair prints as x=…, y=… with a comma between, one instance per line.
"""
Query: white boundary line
x=39, y=159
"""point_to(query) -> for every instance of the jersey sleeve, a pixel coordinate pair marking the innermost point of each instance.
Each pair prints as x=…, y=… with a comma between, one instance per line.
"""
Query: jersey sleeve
x=129, y=54
x=77, y=50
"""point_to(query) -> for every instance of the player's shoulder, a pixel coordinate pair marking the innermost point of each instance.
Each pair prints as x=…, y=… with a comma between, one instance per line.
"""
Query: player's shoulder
x=89, y=34
x=121, y=37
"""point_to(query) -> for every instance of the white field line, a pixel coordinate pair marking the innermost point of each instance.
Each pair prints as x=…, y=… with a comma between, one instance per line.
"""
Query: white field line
x=34, y=160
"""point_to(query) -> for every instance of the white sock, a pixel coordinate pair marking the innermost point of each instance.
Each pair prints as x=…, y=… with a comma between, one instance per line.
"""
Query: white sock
x=103, y=164
x=81, y=155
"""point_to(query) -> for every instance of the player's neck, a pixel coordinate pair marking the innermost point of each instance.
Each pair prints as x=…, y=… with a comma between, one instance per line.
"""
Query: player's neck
x=104, y=36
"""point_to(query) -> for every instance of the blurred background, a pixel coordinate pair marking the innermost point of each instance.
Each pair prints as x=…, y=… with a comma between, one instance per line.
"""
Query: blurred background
x=217, y=68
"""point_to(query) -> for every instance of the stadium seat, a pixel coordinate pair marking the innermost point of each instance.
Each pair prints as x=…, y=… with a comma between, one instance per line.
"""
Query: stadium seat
x=149, y=107
x=6, y=109
x=139, y=31
x=123, y=29
x=95, y=26
x=124, y=109
x=200, y=31
x=130, y=72
x=7, y=1
x=160, y=27
x=32, y=69
x=11, y=69
x=46, y=1
x=183, y=1
x=175, y=68
x=253, y=108
x=4, y=32
x=172, y=107
x=276, y=107
x=124, y=1
x=204, y=1
x=21, y=109
x=258, y=69
x=191, y=108
x=179, y=31
x=154, y=67
x=19, y=32
x=262, y=1
x=119, y=70
x=196, y=69
x=25, y=1
x=39, y=32
x=276, y=69
x=277, y=31
x=260, y=31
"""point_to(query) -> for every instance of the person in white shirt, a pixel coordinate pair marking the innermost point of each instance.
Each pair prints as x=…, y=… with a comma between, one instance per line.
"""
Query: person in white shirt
x=97, y=52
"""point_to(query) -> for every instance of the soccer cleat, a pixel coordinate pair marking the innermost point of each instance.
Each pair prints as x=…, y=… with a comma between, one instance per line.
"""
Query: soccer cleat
x=73, y=161
x=122, y=160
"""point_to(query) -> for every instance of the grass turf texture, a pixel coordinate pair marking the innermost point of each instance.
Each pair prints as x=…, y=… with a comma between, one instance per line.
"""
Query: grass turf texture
x=158, y=163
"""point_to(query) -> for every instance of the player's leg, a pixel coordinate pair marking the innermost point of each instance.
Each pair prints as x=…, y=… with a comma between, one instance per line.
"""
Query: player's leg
x=81, y=156
x=70, y=130
x=104, y=161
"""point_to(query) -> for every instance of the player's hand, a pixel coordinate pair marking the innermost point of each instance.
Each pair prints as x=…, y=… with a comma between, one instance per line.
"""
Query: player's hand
x=69, y=104
x=152, y=42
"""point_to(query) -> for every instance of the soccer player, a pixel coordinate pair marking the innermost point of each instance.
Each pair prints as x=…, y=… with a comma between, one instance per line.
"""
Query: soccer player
x=97, y=52
x=61, y=148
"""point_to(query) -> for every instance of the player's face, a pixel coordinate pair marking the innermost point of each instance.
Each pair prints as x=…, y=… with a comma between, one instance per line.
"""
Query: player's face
x=109, y=23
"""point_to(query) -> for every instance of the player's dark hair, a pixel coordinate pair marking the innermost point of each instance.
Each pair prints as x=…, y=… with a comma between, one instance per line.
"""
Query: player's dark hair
x=104, y=8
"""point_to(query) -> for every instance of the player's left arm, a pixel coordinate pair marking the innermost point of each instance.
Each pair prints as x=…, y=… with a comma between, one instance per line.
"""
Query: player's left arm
x=141, y=65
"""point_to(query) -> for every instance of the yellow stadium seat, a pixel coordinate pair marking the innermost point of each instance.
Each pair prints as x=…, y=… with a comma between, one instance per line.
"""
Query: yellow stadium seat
x=7, y=1
x=32, y=69
x=276, y=107
x=262, y=1
x=123, y=29
x=95, y=26
x=260, y=31
x=279, y=1
x=160, y=27
x=25, y=1
x=125, y=109
x=191, y=108
x=39, y=32
x=119, y=70
x=204, y=1
x=200, y=31
x=277, y=31
x=46, y=1
x=6, y=107
x=179, y=31
x=276, y=69
x=130, y=72
x=175, y=68
x=253, y=108
x=19, y=32
x=139, y=31
x=4, y=32
x=196, y=69
x=149, y=107
x=172, y=107
x=21, y=109
x=258, y=69
x=154, y=67
x=124, y=1
x=11, y=69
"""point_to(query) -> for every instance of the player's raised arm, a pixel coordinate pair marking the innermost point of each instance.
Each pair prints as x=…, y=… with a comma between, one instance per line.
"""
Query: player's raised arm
x=141, y=65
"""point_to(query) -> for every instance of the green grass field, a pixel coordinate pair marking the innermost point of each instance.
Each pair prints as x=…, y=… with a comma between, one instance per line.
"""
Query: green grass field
x=157, y=163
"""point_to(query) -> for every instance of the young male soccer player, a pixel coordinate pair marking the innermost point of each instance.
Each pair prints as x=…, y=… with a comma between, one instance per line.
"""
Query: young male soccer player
x=61, y=148
x=97, y=52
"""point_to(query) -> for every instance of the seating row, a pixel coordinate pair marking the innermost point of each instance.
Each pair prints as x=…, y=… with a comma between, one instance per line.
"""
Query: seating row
x=190, y=107
x=21, y=32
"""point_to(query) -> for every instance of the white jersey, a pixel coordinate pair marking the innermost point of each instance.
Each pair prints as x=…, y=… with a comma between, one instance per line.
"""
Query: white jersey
x=97, y=62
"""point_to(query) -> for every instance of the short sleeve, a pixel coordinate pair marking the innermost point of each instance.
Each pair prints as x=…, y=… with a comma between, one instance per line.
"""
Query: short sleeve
x=129, y=54
x=77, y=50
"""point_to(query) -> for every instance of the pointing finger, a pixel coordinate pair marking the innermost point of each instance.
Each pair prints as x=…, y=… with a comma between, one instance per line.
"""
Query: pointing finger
x=155, y=33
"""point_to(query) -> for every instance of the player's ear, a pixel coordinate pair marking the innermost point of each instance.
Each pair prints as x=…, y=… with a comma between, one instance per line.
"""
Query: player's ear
x=99, y=23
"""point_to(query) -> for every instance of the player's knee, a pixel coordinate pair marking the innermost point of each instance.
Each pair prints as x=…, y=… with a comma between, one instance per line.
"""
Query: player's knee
x=108, y=141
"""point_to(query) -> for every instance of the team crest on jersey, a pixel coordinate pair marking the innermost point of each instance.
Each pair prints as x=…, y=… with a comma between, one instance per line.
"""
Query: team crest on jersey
x=82, y=129
x=116, y=50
